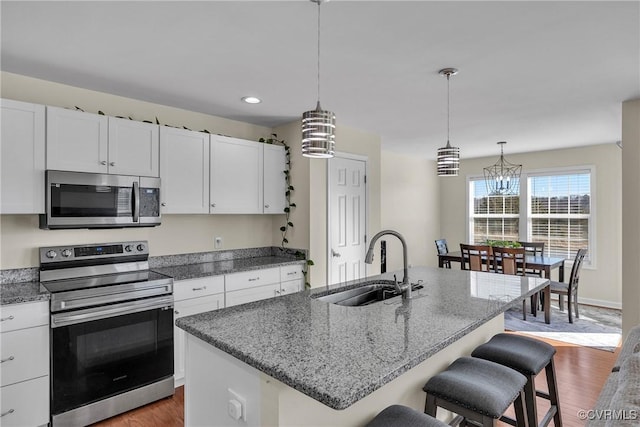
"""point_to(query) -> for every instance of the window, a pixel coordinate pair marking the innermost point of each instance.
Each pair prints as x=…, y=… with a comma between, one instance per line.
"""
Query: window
x=560, y=211
x=554, y=207
x=492, y=217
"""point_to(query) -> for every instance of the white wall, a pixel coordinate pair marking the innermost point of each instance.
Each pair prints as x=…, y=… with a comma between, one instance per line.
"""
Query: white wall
x=410, y=191
x=630, y=214
x=601, y=285
x=20, y=236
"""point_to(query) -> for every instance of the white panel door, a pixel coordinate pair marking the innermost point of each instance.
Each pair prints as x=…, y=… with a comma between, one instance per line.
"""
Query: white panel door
x=347, y=219
x=275, y=186
x=236, y=176
x=22, y=151
x=184, y=171
x=76, y=141
x=134, y=148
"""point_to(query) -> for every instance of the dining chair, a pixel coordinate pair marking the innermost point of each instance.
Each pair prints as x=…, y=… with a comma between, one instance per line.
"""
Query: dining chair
x=513, y=261
x=475, y=257
x=443, y=249
x=570, y=289
x=533, y=249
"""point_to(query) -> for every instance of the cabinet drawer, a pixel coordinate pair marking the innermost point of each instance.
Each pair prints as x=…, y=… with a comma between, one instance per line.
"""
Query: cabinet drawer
x=244, y=296
x=198, y=305
x=24, y=354
x=19, y=316
x=291, y=272
x=25, y=403
x=250, y=279
x=193, y=288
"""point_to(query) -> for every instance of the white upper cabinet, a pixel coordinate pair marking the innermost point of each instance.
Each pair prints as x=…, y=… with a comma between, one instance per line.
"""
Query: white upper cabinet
x=77, y=141
x=184, y=171
x=134, y=147
x=23, y=158
x=86, y=142
x=275, y=185
x=236, y=176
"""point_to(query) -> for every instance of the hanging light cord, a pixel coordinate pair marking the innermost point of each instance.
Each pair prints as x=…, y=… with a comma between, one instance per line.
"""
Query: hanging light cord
x=448, y=108
x=319, y=2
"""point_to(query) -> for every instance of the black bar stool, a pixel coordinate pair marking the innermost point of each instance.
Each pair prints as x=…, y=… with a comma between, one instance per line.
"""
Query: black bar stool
x=403, y=416
x=527, y=356
x=477, y=390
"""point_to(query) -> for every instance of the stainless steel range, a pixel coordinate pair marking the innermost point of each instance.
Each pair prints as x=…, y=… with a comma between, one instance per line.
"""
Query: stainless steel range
x=111, y=330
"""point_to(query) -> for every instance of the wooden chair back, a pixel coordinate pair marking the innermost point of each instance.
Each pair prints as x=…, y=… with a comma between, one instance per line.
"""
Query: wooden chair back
x=509, y=260
x=533, y=249
x=441, y=246
x=475, y=257
x=575, y=270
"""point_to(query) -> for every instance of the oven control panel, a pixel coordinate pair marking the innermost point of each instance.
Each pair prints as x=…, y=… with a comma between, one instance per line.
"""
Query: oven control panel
x=55, y=254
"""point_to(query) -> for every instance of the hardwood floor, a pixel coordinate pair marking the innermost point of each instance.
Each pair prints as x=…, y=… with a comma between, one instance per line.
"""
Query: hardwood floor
x=581, y=372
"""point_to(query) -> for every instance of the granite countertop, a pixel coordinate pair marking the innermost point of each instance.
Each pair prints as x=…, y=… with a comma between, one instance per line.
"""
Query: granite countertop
x=203, y=269
x=16, y=293
x=338, y=355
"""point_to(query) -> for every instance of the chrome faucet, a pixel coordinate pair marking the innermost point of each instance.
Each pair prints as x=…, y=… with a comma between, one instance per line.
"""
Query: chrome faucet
x=405, y=288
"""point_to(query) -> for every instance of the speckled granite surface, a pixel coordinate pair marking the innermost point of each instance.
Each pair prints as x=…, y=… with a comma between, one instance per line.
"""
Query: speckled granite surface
x=338, y=355
x=208, y=257
x=15, y=293
x=192, y=271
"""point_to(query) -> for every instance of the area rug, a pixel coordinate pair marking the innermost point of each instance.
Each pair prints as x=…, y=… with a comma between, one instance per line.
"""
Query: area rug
x=597, y=327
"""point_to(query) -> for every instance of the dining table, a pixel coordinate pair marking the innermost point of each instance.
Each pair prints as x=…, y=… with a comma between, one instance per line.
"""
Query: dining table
x=535, y=262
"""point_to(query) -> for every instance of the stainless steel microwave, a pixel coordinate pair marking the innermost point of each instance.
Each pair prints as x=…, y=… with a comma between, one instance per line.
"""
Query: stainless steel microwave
x=92, y=200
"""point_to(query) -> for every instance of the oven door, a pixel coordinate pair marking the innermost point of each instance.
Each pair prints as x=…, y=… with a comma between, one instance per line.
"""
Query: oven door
x=101, y=352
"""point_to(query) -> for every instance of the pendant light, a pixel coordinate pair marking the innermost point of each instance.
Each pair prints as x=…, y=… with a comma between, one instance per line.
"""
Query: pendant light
x=318, y=126
x=503, y=178
x=448, y=156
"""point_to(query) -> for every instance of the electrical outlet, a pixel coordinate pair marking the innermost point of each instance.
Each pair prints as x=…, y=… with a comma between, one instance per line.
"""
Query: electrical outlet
x=236, y=406
x=217, y=242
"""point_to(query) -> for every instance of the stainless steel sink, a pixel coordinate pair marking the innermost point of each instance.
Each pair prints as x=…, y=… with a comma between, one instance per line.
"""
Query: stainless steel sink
x=369, y=293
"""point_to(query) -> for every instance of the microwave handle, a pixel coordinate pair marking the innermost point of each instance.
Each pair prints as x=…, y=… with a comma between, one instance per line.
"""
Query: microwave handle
x=136, y=201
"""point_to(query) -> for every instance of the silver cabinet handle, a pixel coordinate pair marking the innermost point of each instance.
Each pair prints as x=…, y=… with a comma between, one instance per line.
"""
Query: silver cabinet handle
x=176, y=312
x=7, y=318
x=291, y=273
x=213, y=205
x=112, y=164
x=335, y=254
x=253, y=280
x=163, y=204
x=10, y=411
x=103, y=163
x=199, y=289
x=7, y=359
x=266, y=206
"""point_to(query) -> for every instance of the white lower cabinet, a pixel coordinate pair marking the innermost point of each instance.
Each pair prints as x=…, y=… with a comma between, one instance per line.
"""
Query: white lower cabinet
x=24, y=371
x=257, y=293
x=192, y=296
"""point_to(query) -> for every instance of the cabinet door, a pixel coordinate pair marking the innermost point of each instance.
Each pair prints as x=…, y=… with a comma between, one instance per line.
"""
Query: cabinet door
x=76, y=141
x=244, y=296
x=187, y=308
x=291, y=286
x=25, y=403
x=184, y=171
x=251, y=279
x=134, y=148
x=275, y=186
x=22, y=151
x=236, y=176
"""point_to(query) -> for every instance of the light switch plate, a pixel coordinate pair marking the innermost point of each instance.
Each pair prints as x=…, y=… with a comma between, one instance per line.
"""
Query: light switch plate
x=217, y=242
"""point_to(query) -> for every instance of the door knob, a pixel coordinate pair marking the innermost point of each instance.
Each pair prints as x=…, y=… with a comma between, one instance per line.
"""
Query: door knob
x=335, y=254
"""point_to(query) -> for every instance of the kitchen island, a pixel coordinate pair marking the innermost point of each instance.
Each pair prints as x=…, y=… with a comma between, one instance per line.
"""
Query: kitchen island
x=297, y=360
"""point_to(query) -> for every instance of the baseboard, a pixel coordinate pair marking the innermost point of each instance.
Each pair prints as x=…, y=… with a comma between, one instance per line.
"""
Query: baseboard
x=591, y=301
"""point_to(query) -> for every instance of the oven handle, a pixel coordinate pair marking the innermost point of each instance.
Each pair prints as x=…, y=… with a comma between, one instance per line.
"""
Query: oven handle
x=97, y=313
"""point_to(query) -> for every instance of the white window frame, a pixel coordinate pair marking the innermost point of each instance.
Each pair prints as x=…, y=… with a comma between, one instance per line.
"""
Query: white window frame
x=471, y=215
x=525, y=217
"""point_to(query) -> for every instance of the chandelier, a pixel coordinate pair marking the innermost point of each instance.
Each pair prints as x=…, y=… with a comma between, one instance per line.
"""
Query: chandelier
x=448, y=157
x=503, y=178
x=318, y=125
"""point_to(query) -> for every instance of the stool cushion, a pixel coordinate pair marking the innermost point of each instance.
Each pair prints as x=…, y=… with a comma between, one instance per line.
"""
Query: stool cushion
x=482, y=386
x=403, y=416
x=526, y=355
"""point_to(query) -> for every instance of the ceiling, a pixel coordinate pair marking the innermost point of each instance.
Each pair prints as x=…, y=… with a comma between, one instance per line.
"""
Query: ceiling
x=539, y=74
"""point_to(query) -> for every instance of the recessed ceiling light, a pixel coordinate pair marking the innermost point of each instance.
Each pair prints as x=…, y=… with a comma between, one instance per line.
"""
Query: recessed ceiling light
x=251, y=100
